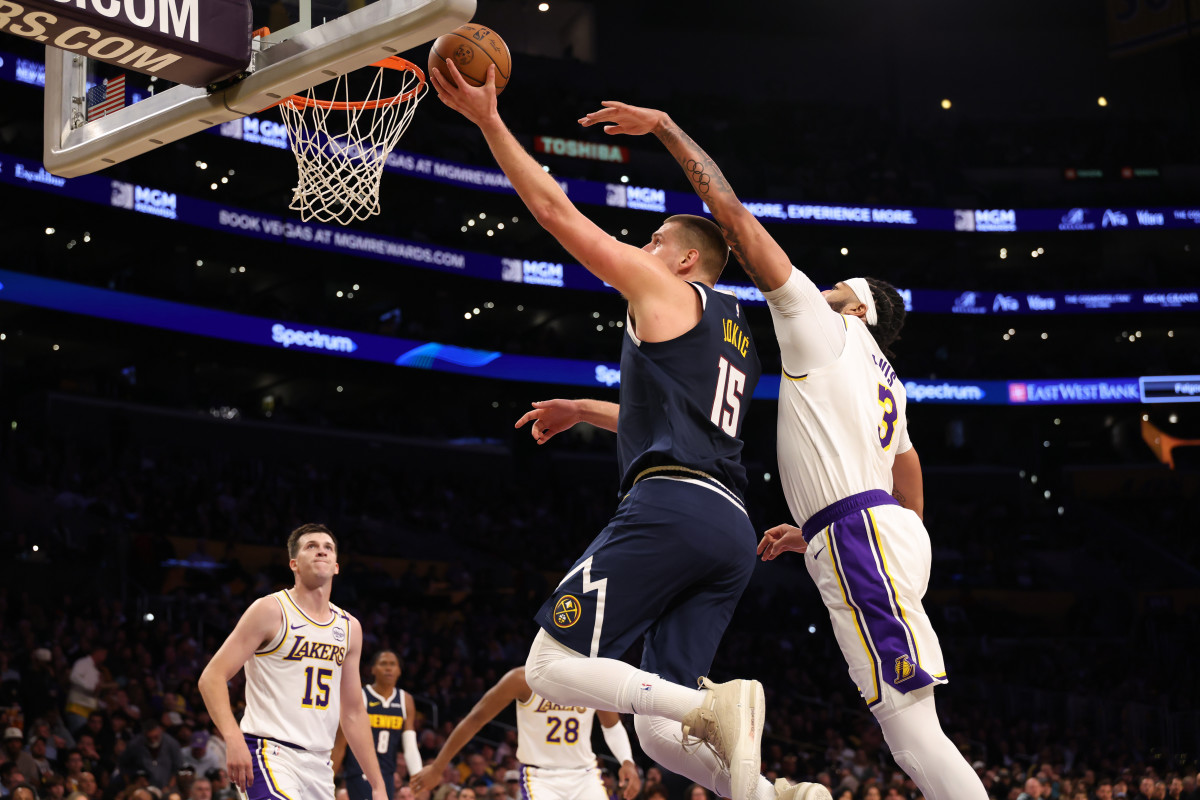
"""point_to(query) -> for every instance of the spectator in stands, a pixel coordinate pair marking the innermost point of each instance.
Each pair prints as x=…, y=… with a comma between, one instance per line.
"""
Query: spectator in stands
x=222, y=788
x=83, y=697
x=53, y=787
x=88, y=786
x=23, y=791
x=1104, y=790
x=155, y=753
x=476, y=771
x=15, y=752
x=1033, y=790
x=41, y=766
x=655, y=791
x=201, y=789
x=198, y=756
x=1175, y=788
x=1145, y=789
x=467, y=793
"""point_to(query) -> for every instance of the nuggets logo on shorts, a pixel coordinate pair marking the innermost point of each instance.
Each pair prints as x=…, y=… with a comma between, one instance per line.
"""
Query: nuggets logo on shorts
x=904, y=669
x=566, y=611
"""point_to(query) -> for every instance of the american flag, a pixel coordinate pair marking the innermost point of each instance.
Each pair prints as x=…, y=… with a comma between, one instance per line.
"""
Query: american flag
x=106, y=97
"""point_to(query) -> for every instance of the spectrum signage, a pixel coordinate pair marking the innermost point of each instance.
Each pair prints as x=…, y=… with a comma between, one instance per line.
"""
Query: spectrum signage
x=16, y=287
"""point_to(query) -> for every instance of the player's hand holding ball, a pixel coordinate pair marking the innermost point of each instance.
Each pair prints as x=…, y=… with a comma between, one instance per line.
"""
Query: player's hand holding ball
x=476, y=103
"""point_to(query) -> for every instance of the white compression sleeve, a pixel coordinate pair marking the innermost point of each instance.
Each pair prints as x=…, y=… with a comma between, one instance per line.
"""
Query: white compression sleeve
x=412, y=753
x=562, y=675
x=617, y=740
x=915, y=737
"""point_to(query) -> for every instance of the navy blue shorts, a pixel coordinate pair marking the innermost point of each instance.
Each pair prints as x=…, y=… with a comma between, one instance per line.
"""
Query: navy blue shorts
x=359, y=789
x=671, y=565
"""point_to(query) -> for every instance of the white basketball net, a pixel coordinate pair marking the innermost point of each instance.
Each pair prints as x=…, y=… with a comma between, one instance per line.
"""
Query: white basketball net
x=342, y=144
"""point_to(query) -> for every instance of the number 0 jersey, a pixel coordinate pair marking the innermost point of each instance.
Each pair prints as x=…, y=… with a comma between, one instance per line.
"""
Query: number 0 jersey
x=550, y=736
x=841, y=425
x=683, y=400
x=293, y=684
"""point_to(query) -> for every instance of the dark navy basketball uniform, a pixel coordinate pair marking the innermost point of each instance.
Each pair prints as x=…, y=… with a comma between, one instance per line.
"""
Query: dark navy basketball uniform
x=387, y=723
x=675, y=558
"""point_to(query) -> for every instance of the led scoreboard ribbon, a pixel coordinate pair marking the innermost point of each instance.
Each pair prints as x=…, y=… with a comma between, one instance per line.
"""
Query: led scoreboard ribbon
x=229, y=219
x=16, y=287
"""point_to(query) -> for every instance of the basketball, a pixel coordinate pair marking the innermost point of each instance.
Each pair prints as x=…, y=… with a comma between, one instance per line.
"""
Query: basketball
x=473, y=47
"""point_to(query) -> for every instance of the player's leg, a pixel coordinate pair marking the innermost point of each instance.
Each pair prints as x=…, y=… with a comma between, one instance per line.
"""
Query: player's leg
x=278, y=772
x=872, y=569
x=587, y=785
x=623, y=582
x=709, y=544
x=682, y=643
x=915, y=737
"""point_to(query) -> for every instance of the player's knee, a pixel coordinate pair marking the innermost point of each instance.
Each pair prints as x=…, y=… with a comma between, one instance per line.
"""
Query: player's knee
x=908, y=761
x=543, y=654
x=658, y=736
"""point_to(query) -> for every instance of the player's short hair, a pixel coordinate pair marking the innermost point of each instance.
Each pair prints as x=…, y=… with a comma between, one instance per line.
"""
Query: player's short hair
x=889, y=308
x=383, y=653
x=293, y=542
x=704, y=235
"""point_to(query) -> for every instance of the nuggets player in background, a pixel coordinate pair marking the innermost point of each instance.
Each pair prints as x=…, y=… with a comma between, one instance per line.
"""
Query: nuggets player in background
x=301, y=655
x=554, y=745
x=671, y=565
x=848, y=470
x=393, y=720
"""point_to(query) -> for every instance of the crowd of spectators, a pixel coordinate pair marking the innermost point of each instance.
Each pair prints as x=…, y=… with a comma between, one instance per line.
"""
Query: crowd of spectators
x=102, y=696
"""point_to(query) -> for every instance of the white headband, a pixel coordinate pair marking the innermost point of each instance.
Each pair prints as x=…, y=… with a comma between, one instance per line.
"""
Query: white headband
x=863, y=292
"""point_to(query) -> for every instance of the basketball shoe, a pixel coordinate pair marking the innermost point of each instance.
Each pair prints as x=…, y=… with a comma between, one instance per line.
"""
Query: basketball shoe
x=730, y=722
x=800, y=791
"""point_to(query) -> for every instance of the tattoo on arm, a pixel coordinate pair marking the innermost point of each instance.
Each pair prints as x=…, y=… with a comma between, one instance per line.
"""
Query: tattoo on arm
x=900, y=498
x=710, y=183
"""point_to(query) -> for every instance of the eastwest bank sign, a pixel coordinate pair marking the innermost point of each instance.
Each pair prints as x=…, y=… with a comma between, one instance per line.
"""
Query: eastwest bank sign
x=193, y=42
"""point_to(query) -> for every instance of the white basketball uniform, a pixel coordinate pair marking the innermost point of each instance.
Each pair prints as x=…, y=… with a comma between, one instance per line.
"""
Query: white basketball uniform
x=293, y=704
x=554, y=746
x=841, y=425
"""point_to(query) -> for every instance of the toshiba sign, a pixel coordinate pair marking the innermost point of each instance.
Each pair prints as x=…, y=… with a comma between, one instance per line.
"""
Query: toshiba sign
x=575, y=148
x=193, y=42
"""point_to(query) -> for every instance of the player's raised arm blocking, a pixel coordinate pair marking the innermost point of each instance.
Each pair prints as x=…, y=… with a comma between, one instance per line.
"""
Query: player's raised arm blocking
x=764, y=261
x=662, y=303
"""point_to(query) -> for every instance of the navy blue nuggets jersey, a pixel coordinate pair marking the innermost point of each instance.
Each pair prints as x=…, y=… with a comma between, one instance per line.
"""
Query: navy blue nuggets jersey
x=683, y=400
x=387, y=723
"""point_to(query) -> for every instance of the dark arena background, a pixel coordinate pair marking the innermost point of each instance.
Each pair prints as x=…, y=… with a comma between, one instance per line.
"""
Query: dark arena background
x=188, y=372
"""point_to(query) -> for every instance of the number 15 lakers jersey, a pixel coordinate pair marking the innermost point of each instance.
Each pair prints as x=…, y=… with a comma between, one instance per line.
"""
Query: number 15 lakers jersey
x=293, y=684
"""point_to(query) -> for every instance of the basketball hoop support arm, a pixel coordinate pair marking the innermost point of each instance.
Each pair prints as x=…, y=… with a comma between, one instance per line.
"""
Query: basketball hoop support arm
x=356, y=40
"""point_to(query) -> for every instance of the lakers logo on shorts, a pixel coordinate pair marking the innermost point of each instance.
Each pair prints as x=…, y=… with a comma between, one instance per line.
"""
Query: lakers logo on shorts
x=904, y=669
x=566, y=611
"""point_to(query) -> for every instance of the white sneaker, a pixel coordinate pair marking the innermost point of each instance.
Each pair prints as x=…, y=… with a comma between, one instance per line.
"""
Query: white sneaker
x=730, y=721
x=800, y=791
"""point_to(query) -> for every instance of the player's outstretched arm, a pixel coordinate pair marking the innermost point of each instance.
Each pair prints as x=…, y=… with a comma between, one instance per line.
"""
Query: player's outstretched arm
x=511, y=687
x=617, y=739
x=550, y=417
x=258, y=626
x=908, y=486
x=633, y=273
x=356, y=725
x=763, y=259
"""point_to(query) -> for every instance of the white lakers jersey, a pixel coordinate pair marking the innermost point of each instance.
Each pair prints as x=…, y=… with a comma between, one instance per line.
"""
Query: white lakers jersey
x=293, y=684
x=840, y=425
x=553, y=736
